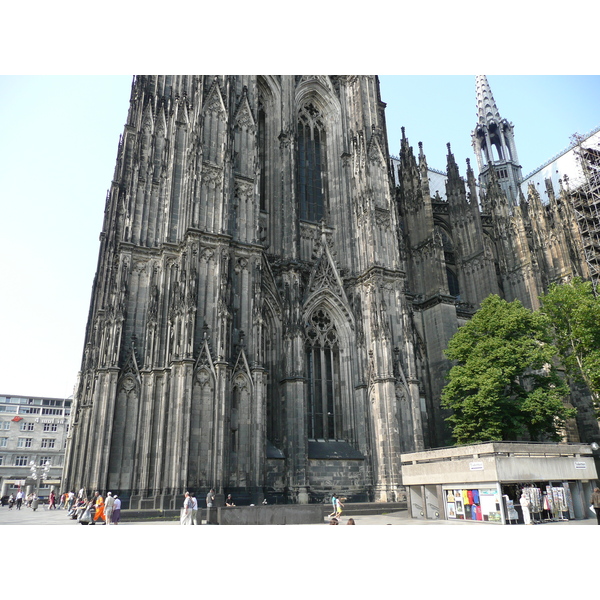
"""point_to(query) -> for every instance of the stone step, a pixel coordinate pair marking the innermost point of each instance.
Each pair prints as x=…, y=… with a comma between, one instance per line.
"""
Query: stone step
x=367, y=508
x=354, y=508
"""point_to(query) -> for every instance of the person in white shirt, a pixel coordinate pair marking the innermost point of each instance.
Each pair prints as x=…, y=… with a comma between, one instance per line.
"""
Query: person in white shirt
x=186, y=511
x=194, y=509
x=525, y=506
x=109, y=507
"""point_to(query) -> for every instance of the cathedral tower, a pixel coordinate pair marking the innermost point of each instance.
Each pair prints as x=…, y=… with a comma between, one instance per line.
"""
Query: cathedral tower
x=248, y=327
x=494, y=144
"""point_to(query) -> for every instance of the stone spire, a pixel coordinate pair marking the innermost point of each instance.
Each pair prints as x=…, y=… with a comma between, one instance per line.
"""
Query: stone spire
x=494, y=143
x=486, y=105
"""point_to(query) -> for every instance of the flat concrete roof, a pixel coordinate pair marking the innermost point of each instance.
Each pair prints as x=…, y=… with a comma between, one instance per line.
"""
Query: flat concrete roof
x=499, y=462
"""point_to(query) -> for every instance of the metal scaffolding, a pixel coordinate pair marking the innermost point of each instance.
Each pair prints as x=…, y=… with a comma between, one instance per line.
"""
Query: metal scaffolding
x=585, y=199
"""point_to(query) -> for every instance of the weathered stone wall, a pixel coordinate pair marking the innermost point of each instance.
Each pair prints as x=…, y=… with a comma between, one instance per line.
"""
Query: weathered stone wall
x=270, y=515
x=275, y=475
x=345, y=477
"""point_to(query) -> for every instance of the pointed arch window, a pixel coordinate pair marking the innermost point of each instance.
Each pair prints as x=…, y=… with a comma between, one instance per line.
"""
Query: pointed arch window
x=262, y=156
x=453, y=286
x=323, y=378
x=311, y=164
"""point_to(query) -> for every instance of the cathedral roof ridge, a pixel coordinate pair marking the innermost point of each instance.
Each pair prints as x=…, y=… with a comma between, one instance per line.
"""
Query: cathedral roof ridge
x=570, y=147
x=438, y=171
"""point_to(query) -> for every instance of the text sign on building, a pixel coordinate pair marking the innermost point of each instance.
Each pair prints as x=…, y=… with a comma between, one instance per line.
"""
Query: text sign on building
x=580, y=465
x=476, y=466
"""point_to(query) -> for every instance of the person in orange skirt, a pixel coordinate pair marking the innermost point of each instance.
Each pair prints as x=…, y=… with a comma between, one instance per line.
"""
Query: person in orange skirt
x=99, y=504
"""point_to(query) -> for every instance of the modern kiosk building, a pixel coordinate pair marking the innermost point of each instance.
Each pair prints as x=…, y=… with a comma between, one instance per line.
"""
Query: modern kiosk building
x=484, y=482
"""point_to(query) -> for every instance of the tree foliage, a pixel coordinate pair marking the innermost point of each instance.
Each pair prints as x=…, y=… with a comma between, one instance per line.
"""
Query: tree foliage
x=574, y=311
x=504, y=385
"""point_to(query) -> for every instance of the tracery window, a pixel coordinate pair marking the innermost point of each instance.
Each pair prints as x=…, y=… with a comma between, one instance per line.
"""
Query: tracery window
x=262, y=157
x=323, y=378
x=311, y=164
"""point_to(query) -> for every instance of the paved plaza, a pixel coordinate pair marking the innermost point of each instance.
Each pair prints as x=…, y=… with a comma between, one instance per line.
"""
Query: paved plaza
x=27, y=516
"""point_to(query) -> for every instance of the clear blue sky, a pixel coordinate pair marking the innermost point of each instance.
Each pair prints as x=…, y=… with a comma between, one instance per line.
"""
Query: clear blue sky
x=58, y=144
x=545, y=111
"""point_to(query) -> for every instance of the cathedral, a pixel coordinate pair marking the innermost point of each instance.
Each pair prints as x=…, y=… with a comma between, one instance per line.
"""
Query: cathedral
x=274, y=292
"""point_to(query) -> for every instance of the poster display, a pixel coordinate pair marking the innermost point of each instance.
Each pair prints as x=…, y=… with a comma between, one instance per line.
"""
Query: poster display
x=557, y=502
x=476, y=504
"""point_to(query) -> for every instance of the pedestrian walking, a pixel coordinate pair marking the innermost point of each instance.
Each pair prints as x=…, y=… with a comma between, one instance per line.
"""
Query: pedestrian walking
x=333, y=501
x=52, y=501
x=338, y=507
x=19, y=499
x=596, y=503
x=116, y=516
x=186, y=511
x=109, y=507
x=99, y=506
x=194, y=508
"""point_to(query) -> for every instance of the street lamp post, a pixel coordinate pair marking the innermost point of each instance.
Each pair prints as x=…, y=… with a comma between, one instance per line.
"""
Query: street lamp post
x=39, y=476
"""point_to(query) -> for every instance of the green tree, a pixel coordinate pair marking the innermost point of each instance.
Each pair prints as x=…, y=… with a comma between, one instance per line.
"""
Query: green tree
x=574, y=311
x=504, y=385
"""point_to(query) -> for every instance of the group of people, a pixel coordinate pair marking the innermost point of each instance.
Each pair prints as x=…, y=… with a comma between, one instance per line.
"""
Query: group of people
x=30, y=501
x=337, y=507
x=89, y=511
x=189, y=511
x=18, y=500
x=336, y=513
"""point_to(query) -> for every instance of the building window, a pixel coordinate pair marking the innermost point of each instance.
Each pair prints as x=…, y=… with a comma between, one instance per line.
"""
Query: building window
x=6, y=425
x=43, y=460
x=24, y=442
x=323, y=378
x=262, y=158
x=3, y=442
x=21, y=461
x=52, y=402
x=453, y=286
x=50, y=427
x=47, y=443
x=311, y=164
x=27, y=426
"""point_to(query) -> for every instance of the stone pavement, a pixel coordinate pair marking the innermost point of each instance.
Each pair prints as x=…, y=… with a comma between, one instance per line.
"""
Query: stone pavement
x=27, y=516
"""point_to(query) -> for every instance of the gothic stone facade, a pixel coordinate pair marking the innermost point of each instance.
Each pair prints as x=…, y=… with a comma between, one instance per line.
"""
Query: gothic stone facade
x=249, y=328
x=270, y=309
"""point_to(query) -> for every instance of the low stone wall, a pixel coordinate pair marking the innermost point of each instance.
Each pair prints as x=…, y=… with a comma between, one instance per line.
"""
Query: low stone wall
x=283, y=514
